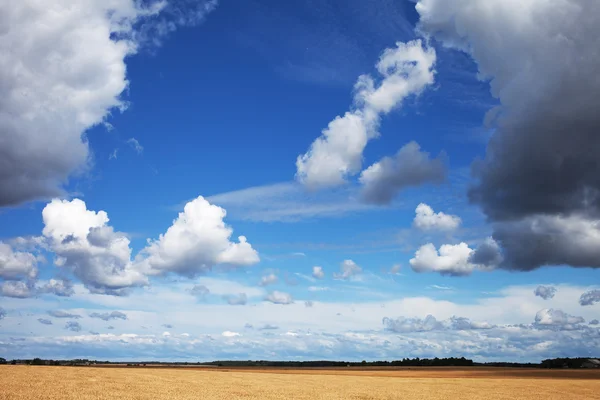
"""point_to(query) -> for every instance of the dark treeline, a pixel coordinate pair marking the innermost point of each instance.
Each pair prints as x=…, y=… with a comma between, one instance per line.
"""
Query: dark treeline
x=570, y=363
x=406, y=362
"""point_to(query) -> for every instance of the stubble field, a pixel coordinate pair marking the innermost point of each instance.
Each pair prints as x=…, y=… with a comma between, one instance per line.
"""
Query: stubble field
x=79, y=383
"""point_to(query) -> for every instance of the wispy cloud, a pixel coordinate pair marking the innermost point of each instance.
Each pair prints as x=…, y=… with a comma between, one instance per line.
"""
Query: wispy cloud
x=135, y=145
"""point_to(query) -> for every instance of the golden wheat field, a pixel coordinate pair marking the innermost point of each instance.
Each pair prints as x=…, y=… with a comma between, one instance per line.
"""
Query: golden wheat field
x=80, y=383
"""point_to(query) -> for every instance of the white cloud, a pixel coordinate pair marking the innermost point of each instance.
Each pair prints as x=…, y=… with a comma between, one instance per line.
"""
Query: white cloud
x=15, y=264
x=395, y=270
x=550, y=317
x=405, y=70
x=224, y=287
x=426, y=219
x=317, y=272
x=86, y=245
x=135, y=145
x=277, y=297
x=63, y=71
x=236, y=300
x=318, y=288
x=268, y=280
x=348, y=269
x=229, y=334
x=62, y=287
x=17, y=289
x=196, y=241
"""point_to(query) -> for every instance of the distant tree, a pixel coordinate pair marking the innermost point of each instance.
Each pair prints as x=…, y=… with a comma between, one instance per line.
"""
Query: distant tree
x=2, y=360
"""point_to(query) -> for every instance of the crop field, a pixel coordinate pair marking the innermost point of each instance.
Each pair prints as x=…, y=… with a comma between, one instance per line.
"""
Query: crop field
x=79, y=383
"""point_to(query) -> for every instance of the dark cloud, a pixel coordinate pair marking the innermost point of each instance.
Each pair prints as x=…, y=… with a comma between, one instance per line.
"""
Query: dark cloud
x=594, y=322
x=73, y=326
x=487, y=254
x=168, y=326
x=545, y=292
x=63, y=314
x=409, y=167
x=539, y=182
x=108, y=316
x=590, y=297
x=44, y=321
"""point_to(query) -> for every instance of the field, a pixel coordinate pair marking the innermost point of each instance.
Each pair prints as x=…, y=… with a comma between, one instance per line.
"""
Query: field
x=80, y=383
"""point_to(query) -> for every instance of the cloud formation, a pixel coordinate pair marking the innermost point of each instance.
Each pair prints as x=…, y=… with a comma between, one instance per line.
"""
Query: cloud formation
x=44, y=321
x=277, y=297
x=454, y=260
x=15, y=265
x=590, y=297
x=337, y=154
x=63, y=314
x=426, y=219
x=348, y=269
x=317, y=272
x=239, y=300
x=268, y=280
x=108, y=316
x=73, y=326
x=538, y=182
x=430, y=323
x=545, y=292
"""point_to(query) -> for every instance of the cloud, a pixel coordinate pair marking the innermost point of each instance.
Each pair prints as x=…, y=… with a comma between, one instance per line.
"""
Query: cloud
x=545, y=292
x=135, y=145
x=556, y=319
x=594, y=322
x=430, y=323
x=86, y=245
x=408, y=168
x=426, y=219
x=395, y=270
x=70, y=77
x=196, y=241
x=44, y=321
x=63, y=314
x=2, y=313
x=268, y=280
x=308, y=304
x=277, y=297
x=73, y=326
x=317, y=272
x=348, y=269
x=62, y=288
x=108, y=316
x=16, y=265
x=168, y=326
x=200, y=291
x=113, y=155
x=539, y=179
x=110, y=327
x=450, y=260
x=487, y=255
x=17, y=289
x=405, y=70
x=229, y=334
x=268, y=327
x=239, y=300
x=590, y=297
x=318, y=288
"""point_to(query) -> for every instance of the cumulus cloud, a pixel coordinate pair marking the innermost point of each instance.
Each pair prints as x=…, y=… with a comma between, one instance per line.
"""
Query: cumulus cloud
x=17, y=289
x=230, y=334
x=16, y=265
x=86, y=245
x=409, y=167
x=454, y=260
x=70, y=77
x=594, y=322
x=540, y=173
x=108, y=316
x=545, y=292
x=63, y=314
x=405, y=70
x=318, y=273
x=426, y=219
x=196, y=241
x=277, y=297
x=430, y=323
x=590, y=297
x=268, y=280
x=200, y=291
x=44, y=321
x=239, y=300
x=348, y=269
x=62, y=287
x=73, y=326
x=550, y=318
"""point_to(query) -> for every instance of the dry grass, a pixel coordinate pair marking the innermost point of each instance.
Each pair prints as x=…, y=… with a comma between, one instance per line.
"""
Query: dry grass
x=34, y=383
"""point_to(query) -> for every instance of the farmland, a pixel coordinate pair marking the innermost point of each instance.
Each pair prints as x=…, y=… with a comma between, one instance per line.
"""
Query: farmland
x=80, y=383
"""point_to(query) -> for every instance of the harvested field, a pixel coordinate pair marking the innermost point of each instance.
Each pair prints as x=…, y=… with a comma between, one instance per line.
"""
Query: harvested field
x=79, y=383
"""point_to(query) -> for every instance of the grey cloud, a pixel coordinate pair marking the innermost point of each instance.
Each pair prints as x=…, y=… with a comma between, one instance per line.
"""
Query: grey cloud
x=239, y=300
x=268, y=327
x=73, y=326
x=63, y=314
x=540, y=179
x=248, y=326
x=200, y=291
x=62, y=288
x=308, y=303
x=409, y=167
x=590, y=297
x=2, y=313
x=108, y=316
x=18, y=289
x=44, y=321
x=550, y=318
x=168, y=326
x=488, y=254
x=594, y=322
x=430, y=323
x=110, y=327
x=545, y=292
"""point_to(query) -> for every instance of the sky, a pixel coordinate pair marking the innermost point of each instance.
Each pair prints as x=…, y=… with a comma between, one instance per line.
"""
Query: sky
x=192, y=180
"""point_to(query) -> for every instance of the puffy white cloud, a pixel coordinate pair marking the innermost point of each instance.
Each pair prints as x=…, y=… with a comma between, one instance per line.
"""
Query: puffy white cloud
x=86, y=245
x=62, y=71
x=277, y=297
x=395, y=270
x=108, y=316
x=348, y=269
x=430, y=323
x=196, y=241
x=239, y=300
x=62, y=287
x=63, y=314
x=557, y=319
x=230, y=334
x=15, y=264
x=317, y=272
x=17, y=289
x=408, y=167
x=545, y=292
x=590, y=297
x=405, y=70
x=268, y=280
x=456, y=260
x=426, y=219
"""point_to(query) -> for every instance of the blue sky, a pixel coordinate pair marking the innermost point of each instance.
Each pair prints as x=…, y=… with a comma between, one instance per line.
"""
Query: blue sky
x=333, y=172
